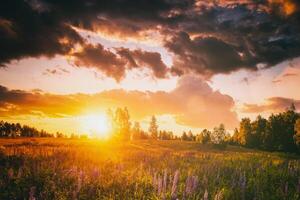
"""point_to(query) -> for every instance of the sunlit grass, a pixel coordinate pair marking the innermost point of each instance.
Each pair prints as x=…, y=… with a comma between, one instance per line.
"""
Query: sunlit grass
x=98, y=169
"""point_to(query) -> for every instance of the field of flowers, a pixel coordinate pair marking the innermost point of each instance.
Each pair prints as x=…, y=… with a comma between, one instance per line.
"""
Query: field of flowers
x=88, y=169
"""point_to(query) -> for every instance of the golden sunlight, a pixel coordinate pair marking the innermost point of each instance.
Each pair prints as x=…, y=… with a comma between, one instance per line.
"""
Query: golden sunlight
x=96, y=126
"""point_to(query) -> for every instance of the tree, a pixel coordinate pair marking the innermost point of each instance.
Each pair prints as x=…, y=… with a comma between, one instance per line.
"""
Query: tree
x=204, y=137
x=218, y=135
x=144, y=135
x=245, y=132
x=165, y=135
x=235, y=137
x=289, y=119
x=184, y=136
x=120, y=123
x=292, y=108
x=297, y=135
x=136, y=131
x=190, y=135
x=258, y=129
x=275, y=134
x=153, y=128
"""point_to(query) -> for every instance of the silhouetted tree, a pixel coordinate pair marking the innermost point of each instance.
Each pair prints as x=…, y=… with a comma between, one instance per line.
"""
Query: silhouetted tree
x=184, y=136
x=144, y=135
x=204, y=137
x=120, y=123
x=136, y=131
x=16, y=130
x=153, y=128
x=165, y=135
x=190, y=135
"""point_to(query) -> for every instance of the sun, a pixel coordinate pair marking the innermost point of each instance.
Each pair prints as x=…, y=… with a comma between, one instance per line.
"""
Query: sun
x=96, y=125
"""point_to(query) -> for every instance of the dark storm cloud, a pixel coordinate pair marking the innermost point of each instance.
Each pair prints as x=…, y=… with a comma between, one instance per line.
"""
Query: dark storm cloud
x=102, y=59
x=115, y=64
x=206, y=37
x=26, y=32
x=151, y=60
x=207, y=55
x=223, y=39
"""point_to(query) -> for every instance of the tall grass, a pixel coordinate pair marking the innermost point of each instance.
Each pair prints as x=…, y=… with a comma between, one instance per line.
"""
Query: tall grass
x=63, y=169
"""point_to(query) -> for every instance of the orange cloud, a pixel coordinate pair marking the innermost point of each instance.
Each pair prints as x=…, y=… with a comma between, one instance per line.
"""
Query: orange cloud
x=287, y=7
x=192, y=103
x=274, y=104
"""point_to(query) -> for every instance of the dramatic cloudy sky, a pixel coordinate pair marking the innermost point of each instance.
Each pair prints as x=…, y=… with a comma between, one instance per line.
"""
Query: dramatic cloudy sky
x=192, y=63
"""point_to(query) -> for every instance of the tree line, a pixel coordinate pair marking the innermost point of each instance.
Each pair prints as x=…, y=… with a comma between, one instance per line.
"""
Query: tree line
x=122, y=129
x=280, y=132
x=17, y=130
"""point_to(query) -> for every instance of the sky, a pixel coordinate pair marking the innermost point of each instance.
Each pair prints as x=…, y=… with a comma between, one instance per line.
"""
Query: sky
x=193, y=64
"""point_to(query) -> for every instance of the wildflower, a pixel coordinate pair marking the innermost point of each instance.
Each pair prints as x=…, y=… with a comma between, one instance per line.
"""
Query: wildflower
x=165, y=181
x=31, y=193
x=164, y=184
x=191, y=184
x=159, y=185
x=205, y=196
x=219, y=195
x=10, y=173
x=243, y=185
x=174, y=186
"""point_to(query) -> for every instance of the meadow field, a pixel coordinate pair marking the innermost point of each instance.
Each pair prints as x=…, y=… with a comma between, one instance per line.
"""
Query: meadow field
x=92, y=169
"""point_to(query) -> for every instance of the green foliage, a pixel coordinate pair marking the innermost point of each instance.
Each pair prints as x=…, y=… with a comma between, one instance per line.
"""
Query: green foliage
x=297, y=135
x=278, y=133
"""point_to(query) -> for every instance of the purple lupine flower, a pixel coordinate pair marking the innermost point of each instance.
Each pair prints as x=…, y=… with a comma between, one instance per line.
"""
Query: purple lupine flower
x=243, y=184
x=191, y=184
x=174, y=185
x=159, y=185
x=31, y=193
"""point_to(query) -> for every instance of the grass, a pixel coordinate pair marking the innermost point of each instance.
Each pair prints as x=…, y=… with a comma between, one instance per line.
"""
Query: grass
x=91, y=169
